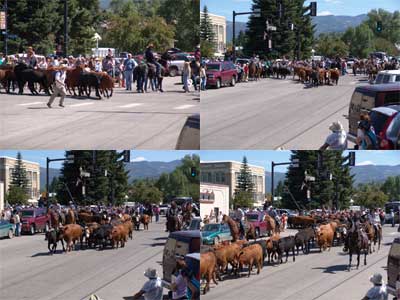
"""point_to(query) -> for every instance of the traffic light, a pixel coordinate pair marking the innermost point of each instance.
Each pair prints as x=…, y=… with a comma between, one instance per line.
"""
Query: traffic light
x=193, y=172
x=313, y=8
x=352, y=159
x=127, y=156
x=379, y=26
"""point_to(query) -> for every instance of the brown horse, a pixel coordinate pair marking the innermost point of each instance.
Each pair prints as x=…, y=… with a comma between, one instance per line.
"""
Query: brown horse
x=174, y=223
x=271, y=225
x=55, y=220
x=145, y=220
x=251, y=232
x=233, y=226
x=357, y=242
x=374, y=236
x=253, y=71
x=70, y=217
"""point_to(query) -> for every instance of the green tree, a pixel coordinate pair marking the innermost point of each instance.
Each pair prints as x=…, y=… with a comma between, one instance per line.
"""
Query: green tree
x=144, y=191
x=16, y=195
x=19, y=176
x=207, y=49
x=331, y=45
x=206, y=27
x=370, y=196
x=244, y=180
x=284, y=40
x=391, y=187
x=243, y=199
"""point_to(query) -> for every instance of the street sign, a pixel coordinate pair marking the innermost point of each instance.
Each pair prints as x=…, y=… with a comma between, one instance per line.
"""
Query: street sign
x=70, y=159
x=3, y=20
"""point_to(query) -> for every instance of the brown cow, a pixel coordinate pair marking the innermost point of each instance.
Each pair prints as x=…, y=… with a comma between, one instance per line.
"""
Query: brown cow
x=106, y=85
x=70, y=217
x=226, y=254
x=90, y=228
x=72, y=233
x=208, y=268
x=300, y=221
x=270, y=246
x=302, y=75
x=145, y=219
x=334, y=74
x=119, y=235
x=251, y=255
x=128, y=226
x=325, y=234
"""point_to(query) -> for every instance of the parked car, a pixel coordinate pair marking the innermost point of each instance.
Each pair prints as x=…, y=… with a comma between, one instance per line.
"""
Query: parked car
x=6, y=229
x=393, y=267
x=175, y=66
x=221, y=73
x=381, y=119
x=288, y=212
x=194, y=224
x=34, y=220
x=215, y=233
x=256, y=218
x=242, y=61
x=164, y=209
x=388, y=76
x=367, y=97
x=179, y=243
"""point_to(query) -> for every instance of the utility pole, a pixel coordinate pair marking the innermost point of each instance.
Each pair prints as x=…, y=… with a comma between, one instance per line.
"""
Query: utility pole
x=4, y=25
x=65, y=28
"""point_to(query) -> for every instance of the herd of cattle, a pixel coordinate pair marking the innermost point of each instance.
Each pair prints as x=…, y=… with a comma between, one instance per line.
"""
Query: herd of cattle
x=92, y=230
x=42, y=80
x=323, y=233
x=306, y=74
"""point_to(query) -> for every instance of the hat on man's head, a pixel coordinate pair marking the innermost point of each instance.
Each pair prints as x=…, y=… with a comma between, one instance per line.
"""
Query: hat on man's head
x=376, y=279
x=151, y=273
x=336, y=126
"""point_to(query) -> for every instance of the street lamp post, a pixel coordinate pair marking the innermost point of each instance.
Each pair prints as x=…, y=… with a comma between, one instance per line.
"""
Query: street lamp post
x=256, y=13
x=4, y=25
x=69, y=159
x=65, y=28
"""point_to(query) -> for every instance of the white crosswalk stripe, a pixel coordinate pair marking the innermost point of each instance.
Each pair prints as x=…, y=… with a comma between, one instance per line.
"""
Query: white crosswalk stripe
x=184, y=106
x=131, y=105
x=32, y=103
x=81, y=104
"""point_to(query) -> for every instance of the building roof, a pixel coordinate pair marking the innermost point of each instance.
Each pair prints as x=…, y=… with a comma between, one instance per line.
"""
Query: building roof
x=24, y=160
x=229, y=161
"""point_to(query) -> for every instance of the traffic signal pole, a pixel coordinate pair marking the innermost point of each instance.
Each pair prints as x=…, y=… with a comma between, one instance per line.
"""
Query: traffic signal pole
x=65, y=28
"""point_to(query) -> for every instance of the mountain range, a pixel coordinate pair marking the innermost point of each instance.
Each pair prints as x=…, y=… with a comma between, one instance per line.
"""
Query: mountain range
x=153, y=169
x=324, y=24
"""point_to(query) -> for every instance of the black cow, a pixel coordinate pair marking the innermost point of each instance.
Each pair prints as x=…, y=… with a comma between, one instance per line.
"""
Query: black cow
x=24, y=74
x=88, y=80
x=303, y=239
x=53, y=236
x=285, y=245
x=101, y=235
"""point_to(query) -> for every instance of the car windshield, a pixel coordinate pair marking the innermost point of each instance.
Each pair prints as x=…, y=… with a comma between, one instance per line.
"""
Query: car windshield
x=252, y=217
x=3, y=222
x=213, y=67
x=378, y=120
x=211, y=227
x=394, y=127
x=27, y=213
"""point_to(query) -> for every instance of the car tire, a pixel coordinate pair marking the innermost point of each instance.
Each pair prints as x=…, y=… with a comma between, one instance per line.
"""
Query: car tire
x=10, y=234
x=173, y=72
x=216, y=240
x=233, y=81
x=257, y=233
x=218, y=85
x=32, y=229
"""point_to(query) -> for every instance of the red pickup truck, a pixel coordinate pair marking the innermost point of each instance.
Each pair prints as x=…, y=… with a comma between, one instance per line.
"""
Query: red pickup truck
x=34, y=220
x=256, y=218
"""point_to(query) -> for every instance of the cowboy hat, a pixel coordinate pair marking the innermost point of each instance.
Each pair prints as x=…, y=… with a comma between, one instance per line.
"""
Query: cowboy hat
x=336, y=126
x=151, y=273
x=150, y=45
x=376, y=279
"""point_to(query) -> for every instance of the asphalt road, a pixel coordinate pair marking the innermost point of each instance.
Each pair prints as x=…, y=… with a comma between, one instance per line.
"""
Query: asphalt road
x=27, y=271
x=321, y=276
x=127, y=120
x=274, y=114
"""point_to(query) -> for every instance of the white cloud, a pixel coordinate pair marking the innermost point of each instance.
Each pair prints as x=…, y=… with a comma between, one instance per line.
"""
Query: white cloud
x=325, y=13
x=365, y=163
x=139, y=158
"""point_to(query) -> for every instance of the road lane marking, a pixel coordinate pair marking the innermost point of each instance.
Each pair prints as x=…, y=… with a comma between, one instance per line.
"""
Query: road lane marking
x=31, y=103
x=81, y=104
x=184, y=106
x=131, y=105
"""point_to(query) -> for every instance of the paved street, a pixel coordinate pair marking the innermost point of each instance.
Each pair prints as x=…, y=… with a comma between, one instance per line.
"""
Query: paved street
x=321, y=276
x=28, y=272
x=125, y=121
x=274, y=113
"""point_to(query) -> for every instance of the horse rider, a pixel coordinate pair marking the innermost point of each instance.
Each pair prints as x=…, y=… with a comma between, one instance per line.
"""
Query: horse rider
x=239, y=217
x=197, y=53
x=375, y=219
x=273, y=214
x=151, y=58
x=173, y=211
x=31, y=60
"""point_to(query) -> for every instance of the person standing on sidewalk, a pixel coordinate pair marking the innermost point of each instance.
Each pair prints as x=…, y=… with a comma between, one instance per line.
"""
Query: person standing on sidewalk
x=59, y=86
x=17, y=224
x=129, y=65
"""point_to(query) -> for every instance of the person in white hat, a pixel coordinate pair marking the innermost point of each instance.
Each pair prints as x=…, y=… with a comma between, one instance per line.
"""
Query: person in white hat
x=59, y=86
x=152, y=289
x=378, y=291
x=337, y=140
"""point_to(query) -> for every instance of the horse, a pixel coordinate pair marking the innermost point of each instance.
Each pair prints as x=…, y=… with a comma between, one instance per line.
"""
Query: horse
x=253, y=71
x=357, y=241
x=374, y=235
x=233, y=226
x=154, y=78
x=195, y=67
x=271, y=225
x=70, y=217
x=55, y=219
x=24, y=74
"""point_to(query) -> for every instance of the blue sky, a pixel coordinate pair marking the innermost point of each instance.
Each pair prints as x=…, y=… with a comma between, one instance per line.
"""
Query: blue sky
x=40, y=156
x=264, y=158
x=325, y=7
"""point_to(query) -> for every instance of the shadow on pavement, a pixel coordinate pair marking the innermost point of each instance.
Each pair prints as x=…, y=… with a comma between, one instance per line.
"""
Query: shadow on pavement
x=165, y=297
x=155, y=244
x=333, y=269
x=160, y=238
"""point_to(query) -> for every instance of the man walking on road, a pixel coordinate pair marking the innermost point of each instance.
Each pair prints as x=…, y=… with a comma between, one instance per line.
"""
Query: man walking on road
x=59, y=86
x=129, y=65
